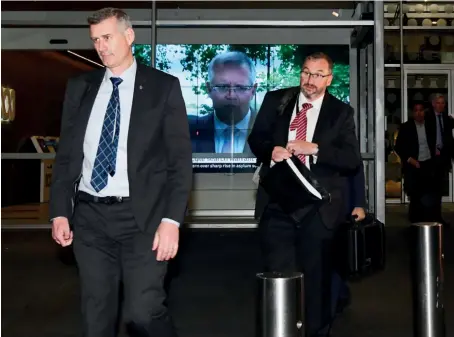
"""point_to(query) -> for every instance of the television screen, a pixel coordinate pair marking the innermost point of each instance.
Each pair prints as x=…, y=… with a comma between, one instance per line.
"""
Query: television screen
x=223, y=87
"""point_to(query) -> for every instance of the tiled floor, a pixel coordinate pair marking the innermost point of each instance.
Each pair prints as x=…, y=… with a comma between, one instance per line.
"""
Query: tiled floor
x=212, y=291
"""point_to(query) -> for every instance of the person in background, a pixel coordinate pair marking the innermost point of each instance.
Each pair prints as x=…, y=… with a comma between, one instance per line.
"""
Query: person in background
x=439, y=126
x=416, y=147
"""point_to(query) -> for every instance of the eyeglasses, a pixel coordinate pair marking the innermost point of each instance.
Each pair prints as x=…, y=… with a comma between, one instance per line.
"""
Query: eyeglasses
x=305, y=74
x=223, y=89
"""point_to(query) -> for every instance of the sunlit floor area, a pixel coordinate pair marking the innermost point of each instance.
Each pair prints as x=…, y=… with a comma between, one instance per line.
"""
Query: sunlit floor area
x=212, y=289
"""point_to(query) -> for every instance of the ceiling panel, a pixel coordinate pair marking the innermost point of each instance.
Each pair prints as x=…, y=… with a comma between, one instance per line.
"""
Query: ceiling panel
x=239, y=4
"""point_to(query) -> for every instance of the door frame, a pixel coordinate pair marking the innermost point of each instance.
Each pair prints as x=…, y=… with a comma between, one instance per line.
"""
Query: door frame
x=435, y=69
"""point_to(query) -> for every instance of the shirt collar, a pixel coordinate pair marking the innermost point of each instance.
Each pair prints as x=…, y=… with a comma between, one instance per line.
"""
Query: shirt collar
x=127, y=75
x=317, y=104
x=241, y=125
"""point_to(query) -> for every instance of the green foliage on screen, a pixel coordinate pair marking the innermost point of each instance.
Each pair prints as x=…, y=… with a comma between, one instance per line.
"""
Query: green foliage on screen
x=282, y=64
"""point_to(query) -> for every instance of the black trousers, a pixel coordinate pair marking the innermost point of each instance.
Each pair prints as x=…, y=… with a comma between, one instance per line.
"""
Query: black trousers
x=306, y=248
x=425, y=188
x=110, y=248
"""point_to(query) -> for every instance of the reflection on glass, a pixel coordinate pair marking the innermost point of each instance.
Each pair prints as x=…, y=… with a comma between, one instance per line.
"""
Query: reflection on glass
x=393, y=172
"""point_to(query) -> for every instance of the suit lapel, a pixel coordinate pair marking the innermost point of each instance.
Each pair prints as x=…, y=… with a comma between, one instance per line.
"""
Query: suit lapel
x=88, y=99
x=283, y=122
x=144, y=97
x=323, y=121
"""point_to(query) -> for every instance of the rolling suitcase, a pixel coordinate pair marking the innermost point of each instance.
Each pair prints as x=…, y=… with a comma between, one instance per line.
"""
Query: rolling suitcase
x=362, y=247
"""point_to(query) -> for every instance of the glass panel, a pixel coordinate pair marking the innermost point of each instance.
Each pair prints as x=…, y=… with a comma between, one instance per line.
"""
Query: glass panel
x=423, y=87
x=216, y=97
x=391, y=13
x=392, y=47
x=393, y=120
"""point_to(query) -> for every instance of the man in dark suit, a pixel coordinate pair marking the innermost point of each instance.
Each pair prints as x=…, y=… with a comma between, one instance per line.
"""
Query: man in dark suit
x=439, y=127
x=121, y=182
x=231, y=87
x=425, y=154
x=309, y=123
x=416, y=155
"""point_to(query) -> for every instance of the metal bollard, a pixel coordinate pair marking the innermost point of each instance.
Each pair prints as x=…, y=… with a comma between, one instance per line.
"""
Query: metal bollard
x=427, y=279
x=281, y=305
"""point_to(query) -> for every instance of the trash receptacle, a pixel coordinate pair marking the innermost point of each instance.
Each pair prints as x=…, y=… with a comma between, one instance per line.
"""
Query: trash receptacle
x=280, y=305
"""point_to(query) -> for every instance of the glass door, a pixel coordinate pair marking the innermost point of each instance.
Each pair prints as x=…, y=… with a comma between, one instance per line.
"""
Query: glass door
x=422, y=84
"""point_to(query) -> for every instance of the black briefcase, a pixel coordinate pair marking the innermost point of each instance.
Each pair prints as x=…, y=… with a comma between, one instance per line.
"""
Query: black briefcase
x=362, y=248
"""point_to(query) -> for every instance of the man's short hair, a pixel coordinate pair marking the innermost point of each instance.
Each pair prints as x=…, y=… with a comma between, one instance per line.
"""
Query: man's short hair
x=320, y=56
x=107, y=13
x=437, y=96
x=415, y=103
x=233, y=58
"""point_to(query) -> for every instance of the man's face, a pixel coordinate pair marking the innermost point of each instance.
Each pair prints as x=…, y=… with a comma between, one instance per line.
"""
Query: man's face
x=231, y=92
x=418, y=113
x=315, y=78
x=439, y=104
x=112, y=41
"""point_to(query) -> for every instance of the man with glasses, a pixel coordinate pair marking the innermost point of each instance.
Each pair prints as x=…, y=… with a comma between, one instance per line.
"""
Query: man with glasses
x=310, y=123
x=231, y=86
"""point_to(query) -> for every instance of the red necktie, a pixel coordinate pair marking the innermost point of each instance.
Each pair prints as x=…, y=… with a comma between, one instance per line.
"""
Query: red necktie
x=300, y=124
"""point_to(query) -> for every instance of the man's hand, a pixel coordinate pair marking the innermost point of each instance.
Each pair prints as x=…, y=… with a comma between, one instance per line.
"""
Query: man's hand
x=359, y=213
x=166, y=241
x=413, y=162
x=61, y=232
x=298, y=147
x=280, y=154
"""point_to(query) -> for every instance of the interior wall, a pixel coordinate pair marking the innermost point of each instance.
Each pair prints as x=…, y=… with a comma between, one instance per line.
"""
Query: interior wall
x=39, y=79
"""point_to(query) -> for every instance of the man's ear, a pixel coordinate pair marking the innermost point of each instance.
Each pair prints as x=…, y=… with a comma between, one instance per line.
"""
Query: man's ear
x=130, y=35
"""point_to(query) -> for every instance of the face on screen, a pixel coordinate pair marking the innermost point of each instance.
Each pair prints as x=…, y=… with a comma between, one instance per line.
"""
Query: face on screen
x=315, y=78
x=231, y=92
x=112, y=41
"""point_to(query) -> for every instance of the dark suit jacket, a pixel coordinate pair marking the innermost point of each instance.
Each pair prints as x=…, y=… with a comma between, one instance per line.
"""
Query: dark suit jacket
x=159, y=147
x=202, y=133
x=407, y=143
x=448, y=142
x=335, y=135
x=356, y=190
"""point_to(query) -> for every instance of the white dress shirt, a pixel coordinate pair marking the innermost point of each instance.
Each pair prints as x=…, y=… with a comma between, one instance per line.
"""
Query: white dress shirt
x=239, y=137
x=118, y=185
x=424, y=150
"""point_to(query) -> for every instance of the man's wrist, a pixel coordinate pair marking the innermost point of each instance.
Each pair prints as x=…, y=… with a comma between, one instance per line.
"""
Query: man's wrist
x=168, y=220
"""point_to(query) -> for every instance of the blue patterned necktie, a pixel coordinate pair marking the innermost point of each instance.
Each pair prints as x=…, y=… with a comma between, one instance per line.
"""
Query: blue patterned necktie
x=106, y=155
